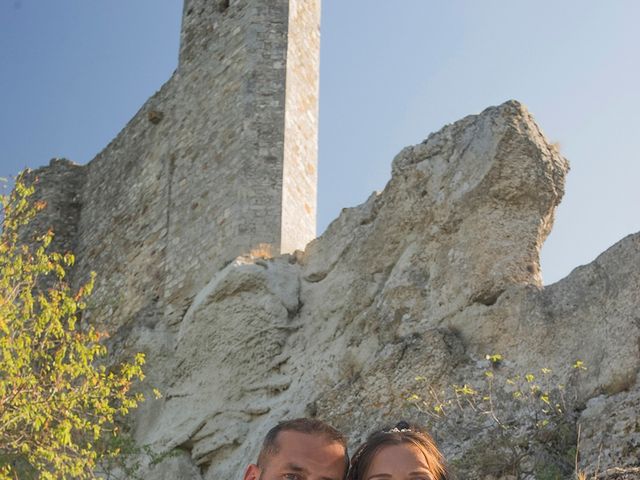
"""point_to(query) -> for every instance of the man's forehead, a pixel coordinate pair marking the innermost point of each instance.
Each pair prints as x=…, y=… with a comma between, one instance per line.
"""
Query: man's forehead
x=312, y=449
x=294, y=438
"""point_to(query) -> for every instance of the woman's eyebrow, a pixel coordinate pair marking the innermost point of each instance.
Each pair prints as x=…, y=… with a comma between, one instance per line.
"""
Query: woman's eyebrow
x=421, y=472
x=379, y=475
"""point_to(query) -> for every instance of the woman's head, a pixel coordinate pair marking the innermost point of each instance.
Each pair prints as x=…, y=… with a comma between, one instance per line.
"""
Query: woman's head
x=398, y=453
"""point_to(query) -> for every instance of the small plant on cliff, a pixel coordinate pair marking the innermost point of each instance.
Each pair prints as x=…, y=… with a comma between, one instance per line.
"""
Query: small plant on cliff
x=520, y=424
x=57, y=404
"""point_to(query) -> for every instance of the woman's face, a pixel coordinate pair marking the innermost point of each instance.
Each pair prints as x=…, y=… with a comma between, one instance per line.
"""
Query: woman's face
x=399, y=462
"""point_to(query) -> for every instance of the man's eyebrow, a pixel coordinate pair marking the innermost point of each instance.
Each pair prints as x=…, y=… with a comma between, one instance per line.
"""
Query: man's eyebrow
x=295, y=468
x=298, y=469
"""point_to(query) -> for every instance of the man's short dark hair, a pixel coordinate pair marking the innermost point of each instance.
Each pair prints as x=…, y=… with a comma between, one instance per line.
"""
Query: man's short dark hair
x=303, y=425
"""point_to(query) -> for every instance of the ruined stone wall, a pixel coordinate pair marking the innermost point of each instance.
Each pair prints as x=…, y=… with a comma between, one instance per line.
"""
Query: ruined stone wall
x=122, y=231
x=58, y=185
x=196, y=177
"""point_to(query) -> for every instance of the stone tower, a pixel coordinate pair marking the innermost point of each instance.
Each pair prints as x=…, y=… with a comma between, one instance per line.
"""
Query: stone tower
x=260, y=60
x=220, y=162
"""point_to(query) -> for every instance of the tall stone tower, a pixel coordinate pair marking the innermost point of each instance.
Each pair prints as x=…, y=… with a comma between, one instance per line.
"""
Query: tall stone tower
x=260, y=60
x=218, y=163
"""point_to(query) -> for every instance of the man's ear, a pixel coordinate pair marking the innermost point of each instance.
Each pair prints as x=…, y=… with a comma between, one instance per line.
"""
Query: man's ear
x=252, y=472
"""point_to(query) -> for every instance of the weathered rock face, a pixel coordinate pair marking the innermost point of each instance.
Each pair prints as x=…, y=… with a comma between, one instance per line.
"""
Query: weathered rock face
x=422, y=280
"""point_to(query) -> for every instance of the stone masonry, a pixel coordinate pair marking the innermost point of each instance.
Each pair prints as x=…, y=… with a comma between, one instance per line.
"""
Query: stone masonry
x=218, y=163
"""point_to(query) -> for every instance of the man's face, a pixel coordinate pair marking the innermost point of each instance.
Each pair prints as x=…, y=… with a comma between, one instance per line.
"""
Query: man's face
x=302, y=456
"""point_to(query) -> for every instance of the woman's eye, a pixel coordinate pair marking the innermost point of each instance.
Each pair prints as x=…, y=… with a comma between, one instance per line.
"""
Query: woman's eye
x=295, y=476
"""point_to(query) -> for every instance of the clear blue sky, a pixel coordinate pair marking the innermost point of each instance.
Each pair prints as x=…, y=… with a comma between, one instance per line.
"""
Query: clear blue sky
x=73, y=72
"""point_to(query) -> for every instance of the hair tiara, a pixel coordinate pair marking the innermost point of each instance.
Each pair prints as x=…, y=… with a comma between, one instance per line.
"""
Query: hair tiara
x=400, y=427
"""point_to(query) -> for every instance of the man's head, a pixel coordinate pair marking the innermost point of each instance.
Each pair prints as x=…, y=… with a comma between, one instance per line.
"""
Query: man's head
x=301, y=449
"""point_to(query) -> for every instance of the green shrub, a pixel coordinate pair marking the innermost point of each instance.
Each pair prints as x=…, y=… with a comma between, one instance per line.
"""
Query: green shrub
x=511, y=423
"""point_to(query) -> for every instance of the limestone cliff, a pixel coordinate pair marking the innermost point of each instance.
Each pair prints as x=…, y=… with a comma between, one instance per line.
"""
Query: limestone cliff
x=424, y=279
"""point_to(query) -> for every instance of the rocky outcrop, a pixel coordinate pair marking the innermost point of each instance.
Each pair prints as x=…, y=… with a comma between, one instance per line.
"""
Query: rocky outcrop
x=423, y=280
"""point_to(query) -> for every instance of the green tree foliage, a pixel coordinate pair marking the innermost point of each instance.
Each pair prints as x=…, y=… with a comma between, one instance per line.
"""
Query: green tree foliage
x=58, y=403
